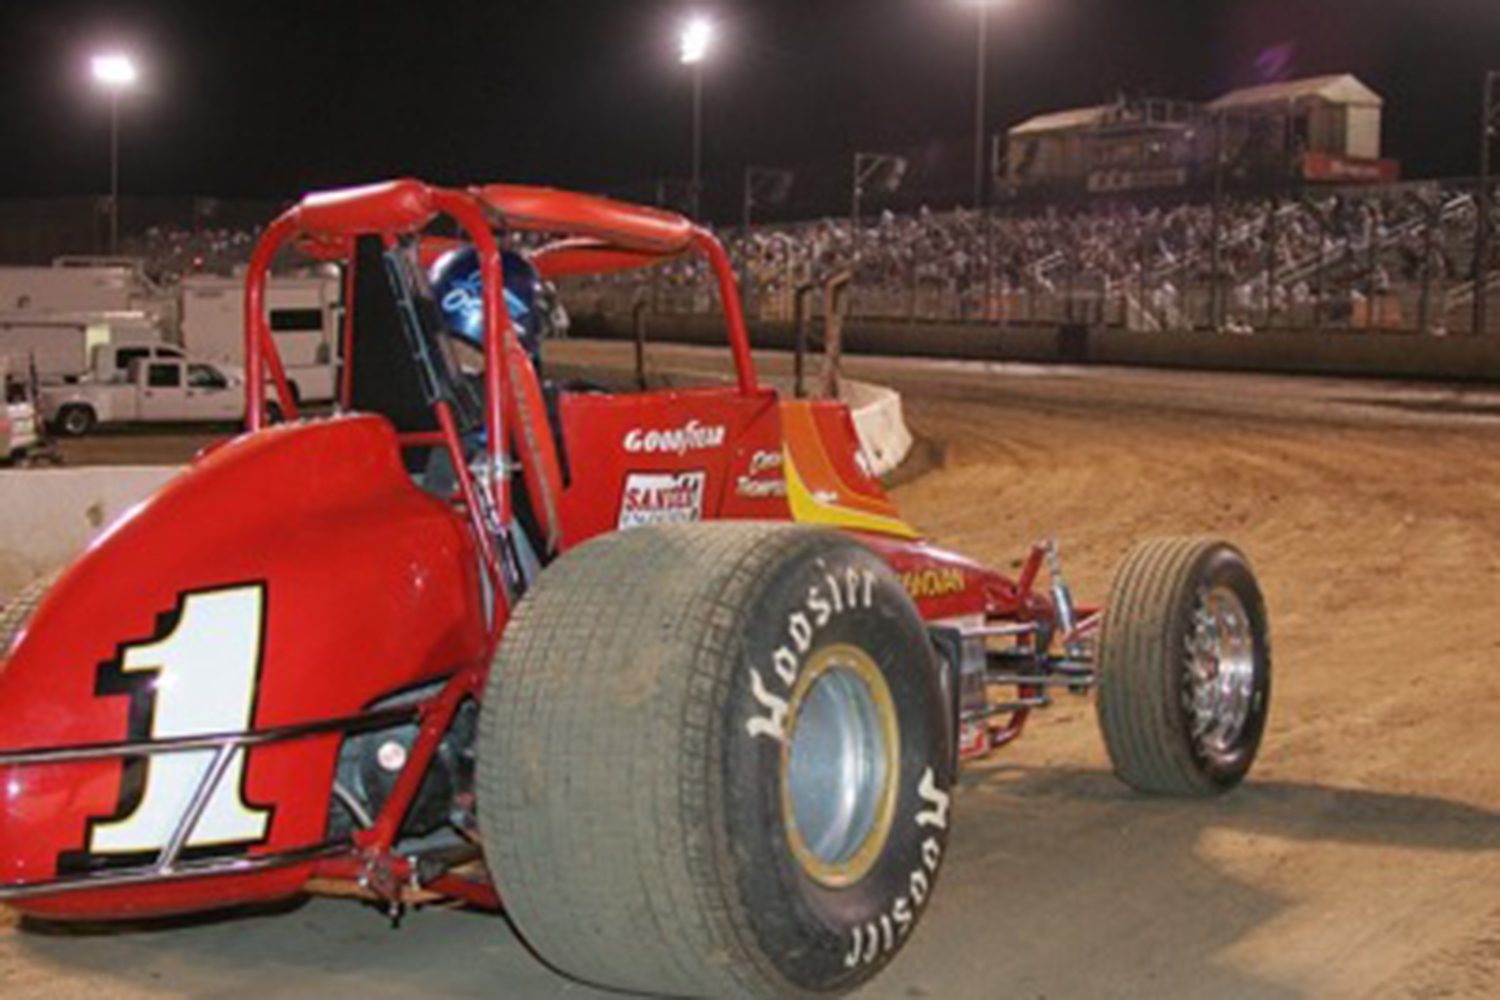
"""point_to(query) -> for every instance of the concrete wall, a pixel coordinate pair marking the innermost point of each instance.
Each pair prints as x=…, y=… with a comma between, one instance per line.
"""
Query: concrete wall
x=880, y=423
x=47, y=516
x=1393, y=355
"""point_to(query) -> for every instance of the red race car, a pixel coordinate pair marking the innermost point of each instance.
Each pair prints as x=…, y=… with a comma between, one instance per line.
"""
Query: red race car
x=412, y=653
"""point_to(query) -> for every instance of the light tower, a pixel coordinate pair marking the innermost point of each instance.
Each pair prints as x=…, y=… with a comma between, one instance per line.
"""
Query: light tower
x=116, y=73
x=696, y=41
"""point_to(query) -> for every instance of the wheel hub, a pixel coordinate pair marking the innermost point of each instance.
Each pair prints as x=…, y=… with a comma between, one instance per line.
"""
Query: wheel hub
x=1220, y=681
x=840, y=766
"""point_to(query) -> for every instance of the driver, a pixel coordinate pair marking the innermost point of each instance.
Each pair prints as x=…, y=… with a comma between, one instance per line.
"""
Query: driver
x=457, y=286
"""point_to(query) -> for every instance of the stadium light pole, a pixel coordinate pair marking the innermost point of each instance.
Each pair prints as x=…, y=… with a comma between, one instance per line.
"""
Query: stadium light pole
x=694, y=44
x=982, y=9
x=115, y=72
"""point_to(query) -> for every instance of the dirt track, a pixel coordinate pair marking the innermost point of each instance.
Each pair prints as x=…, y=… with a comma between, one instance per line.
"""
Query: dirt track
x=1363, y=859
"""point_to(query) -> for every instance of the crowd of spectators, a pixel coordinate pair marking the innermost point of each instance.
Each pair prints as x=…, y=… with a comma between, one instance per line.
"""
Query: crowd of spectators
x=171, y=252
x=1378, y=256
x=1401, y=255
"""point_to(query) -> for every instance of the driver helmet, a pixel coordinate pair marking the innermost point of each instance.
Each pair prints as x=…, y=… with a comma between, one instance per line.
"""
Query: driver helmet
x=457, y=287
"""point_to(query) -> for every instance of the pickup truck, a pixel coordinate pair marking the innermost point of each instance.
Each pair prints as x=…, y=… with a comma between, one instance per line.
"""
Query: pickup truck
x=159, y=387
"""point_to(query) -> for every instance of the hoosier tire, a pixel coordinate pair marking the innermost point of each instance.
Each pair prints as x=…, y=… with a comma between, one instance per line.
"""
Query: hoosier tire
x=673, y=719
x=1184, y=668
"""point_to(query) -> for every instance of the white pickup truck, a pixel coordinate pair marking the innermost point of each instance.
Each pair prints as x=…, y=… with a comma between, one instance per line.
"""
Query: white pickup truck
x=160, y=386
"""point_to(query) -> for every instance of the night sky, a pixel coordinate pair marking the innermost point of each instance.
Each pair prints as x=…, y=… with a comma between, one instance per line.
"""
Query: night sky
x=270, y=99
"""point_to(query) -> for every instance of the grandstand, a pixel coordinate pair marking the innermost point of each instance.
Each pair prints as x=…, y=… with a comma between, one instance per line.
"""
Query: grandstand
x=1390, y=257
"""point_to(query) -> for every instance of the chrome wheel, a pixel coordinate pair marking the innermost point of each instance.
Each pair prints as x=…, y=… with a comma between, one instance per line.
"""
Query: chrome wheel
x=840, y=766
x=1220, y=678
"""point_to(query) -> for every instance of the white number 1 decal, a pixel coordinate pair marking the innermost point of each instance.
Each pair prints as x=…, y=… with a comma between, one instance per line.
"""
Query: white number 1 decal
x=205, y=675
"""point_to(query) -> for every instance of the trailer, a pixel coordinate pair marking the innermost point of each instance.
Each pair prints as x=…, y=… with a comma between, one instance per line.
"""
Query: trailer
x=305, y=314
x=83, y=284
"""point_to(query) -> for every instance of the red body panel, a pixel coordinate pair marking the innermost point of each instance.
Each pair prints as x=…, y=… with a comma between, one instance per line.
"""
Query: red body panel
x=371, y=586
x=706, y=439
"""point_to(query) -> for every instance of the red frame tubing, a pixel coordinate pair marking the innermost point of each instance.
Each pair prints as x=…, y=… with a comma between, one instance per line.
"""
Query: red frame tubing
x=480, y=895
x=734, y=313
x=464, y=210
x=450, y=441
x=260, y=351
x=346, y=373
x=436, y=718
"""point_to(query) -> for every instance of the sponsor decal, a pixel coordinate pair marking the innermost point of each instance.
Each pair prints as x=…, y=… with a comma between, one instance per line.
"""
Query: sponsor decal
x=765, y=461
x=752, y=486
x=850, y=590
x=692, y=436
x=1332, y=168
x=760, y=489
x=838, y=593
x=870, y=940
x=933, y=582
x=662, y=498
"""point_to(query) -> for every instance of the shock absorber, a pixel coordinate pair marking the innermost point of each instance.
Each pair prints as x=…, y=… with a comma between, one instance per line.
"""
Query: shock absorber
x=1062, y=600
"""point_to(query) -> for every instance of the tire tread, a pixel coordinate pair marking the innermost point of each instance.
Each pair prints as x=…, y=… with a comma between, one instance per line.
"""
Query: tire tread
x=1138, y=713
x=646, y=910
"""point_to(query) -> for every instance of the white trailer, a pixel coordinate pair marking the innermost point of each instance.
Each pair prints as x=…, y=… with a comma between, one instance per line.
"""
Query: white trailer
x=305, y=316
x=84, y=285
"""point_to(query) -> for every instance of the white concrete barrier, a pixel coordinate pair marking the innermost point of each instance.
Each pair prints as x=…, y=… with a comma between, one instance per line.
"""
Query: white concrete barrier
x=880, y=422
x=47, y=516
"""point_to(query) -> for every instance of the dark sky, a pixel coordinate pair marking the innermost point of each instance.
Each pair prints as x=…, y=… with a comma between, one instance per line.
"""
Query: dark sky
x=273, y=98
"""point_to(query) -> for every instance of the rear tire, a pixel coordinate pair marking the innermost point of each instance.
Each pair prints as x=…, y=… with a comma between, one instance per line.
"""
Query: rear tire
x=650, y=793
x=1184, y=668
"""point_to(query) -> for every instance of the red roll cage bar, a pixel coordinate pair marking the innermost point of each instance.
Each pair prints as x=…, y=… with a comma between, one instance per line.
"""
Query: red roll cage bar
x=600, y=235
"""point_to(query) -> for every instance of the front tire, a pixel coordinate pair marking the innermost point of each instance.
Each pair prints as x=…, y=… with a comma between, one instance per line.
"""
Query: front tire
x=1184, y=668
x=713, y=762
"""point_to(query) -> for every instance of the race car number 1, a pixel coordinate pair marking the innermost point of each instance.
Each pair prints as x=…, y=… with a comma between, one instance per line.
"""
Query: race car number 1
x=199, y=679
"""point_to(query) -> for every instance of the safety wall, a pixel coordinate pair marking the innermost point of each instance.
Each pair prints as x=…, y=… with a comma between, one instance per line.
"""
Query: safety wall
x=1354, y=353
x=47, y=516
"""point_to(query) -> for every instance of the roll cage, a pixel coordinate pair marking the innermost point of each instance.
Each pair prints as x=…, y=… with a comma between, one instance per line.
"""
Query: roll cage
x=592, y=235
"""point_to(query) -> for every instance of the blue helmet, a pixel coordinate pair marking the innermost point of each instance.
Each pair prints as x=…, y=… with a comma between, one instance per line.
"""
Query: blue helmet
x=457, y=287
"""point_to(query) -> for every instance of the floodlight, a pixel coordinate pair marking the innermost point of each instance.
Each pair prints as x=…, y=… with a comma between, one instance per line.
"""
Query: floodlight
x=114, y=70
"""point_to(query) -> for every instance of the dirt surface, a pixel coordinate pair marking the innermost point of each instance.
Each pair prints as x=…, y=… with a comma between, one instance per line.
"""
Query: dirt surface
x=1362, y=859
